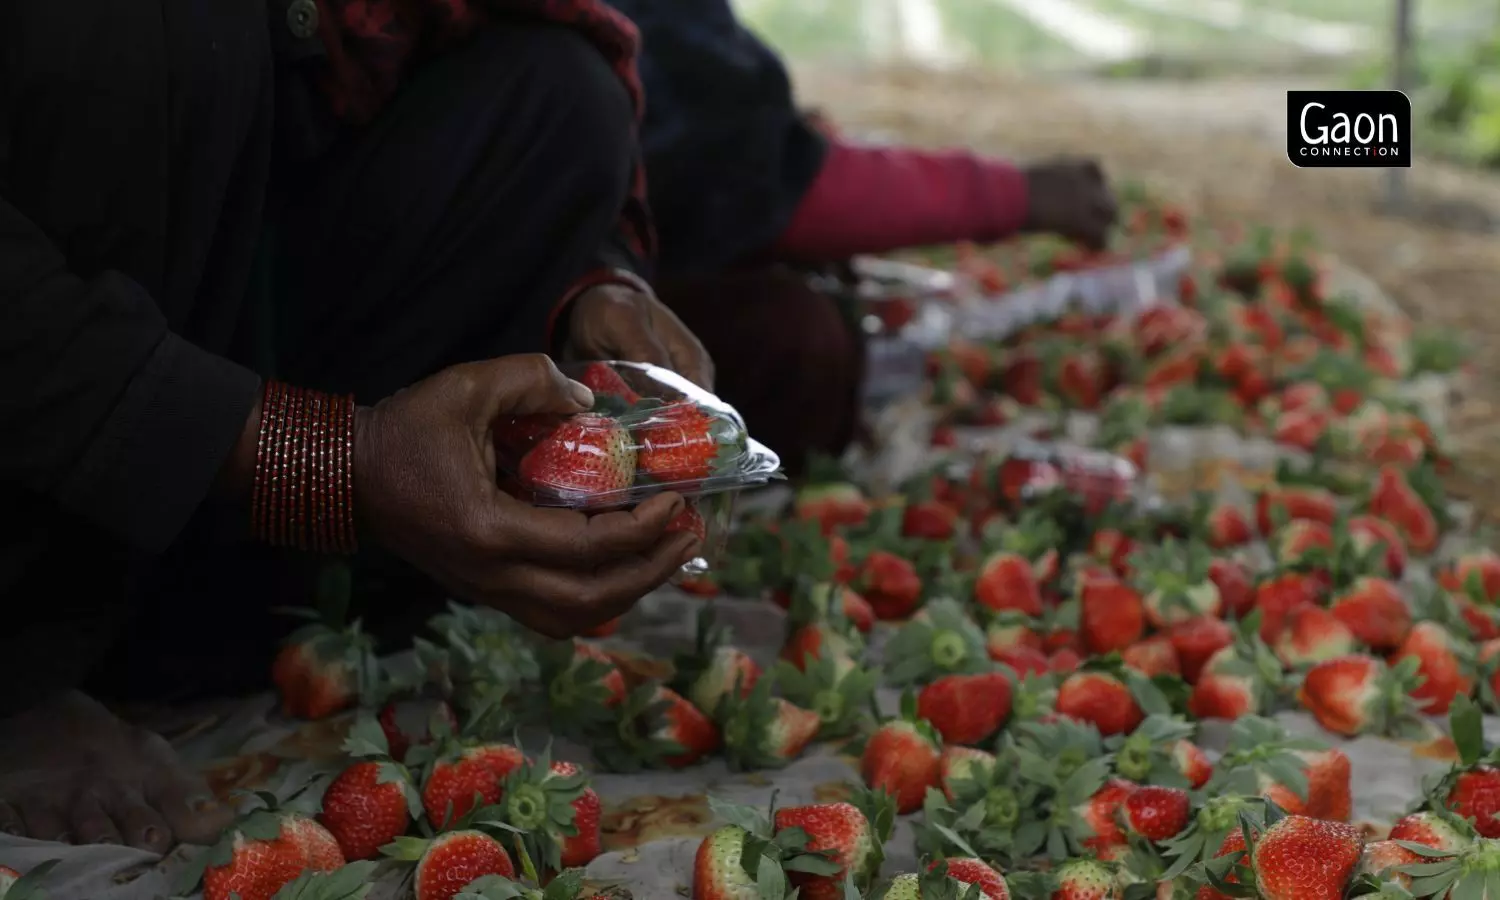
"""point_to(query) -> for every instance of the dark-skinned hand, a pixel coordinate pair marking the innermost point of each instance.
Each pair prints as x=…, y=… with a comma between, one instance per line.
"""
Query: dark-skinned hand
x=1071, y=198
x=613, y=321
x=425, y=479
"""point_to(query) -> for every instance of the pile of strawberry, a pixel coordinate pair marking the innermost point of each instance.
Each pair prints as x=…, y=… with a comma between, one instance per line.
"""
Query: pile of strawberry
x=1252, y=339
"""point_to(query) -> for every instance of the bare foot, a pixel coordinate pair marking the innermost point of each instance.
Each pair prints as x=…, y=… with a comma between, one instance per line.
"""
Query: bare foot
x=71, y=771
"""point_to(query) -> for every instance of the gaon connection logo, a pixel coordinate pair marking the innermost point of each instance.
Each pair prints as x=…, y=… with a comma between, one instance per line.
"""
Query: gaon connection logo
x=1348, y=129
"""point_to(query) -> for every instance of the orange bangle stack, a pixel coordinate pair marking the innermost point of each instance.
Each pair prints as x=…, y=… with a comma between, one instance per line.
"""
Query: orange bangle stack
x=304, y=471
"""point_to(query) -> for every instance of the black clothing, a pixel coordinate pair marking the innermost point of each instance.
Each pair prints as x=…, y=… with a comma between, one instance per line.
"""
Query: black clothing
x=143, y=234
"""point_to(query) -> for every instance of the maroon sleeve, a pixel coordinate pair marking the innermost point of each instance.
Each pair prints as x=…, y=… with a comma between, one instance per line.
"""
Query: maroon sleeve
x=878, y=199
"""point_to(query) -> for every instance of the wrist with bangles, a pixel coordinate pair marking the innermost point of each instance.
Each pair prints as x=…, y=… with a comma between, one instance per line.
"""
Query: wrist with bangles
x=303, y=493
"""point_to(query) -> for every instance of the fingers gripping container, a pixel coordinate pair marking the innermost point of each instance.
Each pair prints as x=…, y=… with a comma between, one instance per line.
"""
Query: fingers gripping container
x=650, y=431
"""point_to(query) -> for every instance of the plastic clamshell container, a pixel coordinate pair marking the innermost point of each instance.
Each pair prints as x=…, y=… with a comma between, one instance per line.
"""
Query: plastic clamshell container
x=650, y=431
x=1098, y=479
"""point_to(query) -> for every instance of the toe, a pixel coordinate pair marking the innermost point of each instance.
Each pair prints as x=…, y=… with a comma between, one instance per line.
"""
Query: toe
x=140, y=825
x=44, y=819
x=190, y=810
x=10, y=820
x=89, y=822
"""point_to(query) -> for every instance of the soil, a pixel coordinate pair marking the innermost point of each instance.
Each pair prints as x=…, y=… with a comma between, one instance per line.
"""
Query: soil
x=1218, y=147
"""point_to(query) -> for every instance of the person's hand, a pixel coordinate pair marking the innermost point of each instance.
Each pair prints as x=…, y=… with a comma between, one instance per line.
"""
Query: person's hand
x=1071, y=198
x=425, y=487
x=613, y=321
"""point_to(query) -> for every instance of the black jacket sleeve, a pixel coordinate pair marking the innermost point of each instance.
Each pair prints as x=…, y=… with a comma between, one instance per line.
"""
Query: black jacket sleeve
x=102, y=409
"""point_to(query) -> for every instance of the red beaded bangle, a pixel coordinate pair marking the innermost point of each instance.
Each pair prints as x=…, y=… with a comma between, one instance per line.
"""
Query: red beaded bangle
x=304, y=471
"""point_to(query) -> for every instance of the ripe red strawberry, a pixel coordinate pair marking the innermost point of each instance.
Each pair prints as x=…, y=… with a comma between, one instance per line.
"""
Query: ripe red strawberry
x=657, y=726
x=814, y=604
x=966, y=709
x=601, y=379
x=263, y=852
x=1475, y=795
x=409, y=723
x=1157, y=813
x=1111, y=614
x=587, y=455
x=1431, y=829
x=1372, y=608
x=1444, y=665
x=321, y=668
x=890, y=584
x=1357, y=694
x=1383, y=859
x=764, y=732
x=583, y=684
x=1024, y=660
x=974, y=872
x=580, y=848
x=902, y=758
x=832, y=505
x=1294, y=502
x=684, y=443
x=1153, y=656
x=1367, y=533
x=1224, y=696
x=1313, y=635
x=1007, y=581
x=814, y=641
x=449, y=862
x=929, y=520
x=1479, y=569
x=455, y=778
x=1112, y=547
x=1101, y=813
x=1227, y=527
x=1196, y=641
x=1236, y=590
x=842, y=833
x=1300, y=858
x=1193, y=763
x=1301, y=428
x=1101, y=699
x=1176, y=584
x=368, y=805
x=689, y=520
x=1277, y=597
x=1394, y=499
x=1302, y=542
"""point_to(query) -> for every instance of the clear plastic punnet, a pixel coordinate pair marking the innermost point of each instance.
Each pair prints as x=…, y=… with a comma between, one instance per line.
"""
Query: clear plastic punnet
x=650, y=431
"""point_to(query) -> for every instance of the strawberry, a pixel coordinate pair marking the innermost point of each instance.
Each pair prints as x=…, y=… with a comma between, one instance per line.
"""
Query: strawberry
x=966, y=709
x=1006, y=630
x=684, y=443
x=1299, y=858
x=835, y=688
x=1443, y=665
x=1302, y=543
x=324, y=667
x=764, y=732
x=1373, y=610
x=814, y=603
x=542, y=800
x=1111, y=614
x=265, y=850
x=939, y=640
x=1196, y=640
x=1226, y=527
x=690, y=520
x=929, y=520
x=1156, y=813
x=1224, y=696
x=1007, y=581
x=890, y=583
x=1153, y=656
x=1313, y=635
x=1174, y=581
x=1475, y=795
x=586, y=456
x=1383, y=859
x=720, y=867
x=961, y=766
x=1294, y=502
x=832, y=505
x=457, y=776
x=1085, y=879
x=843, y=834
x=1278, y=597
x=583, y=684
x=903, y=758
x=970, y=872
x=1432, y=829
x=1236, y=590
x=718, y=870
x=815, y=641
x=715, y=670
x=655, y=726
x=449, y=862
x=1192, y=762
x=1112, y=547
x=371, y=802
x=1395, y=499
x=1101, y=813
x=1100, y=699
x=408, y=723
x=1301, y=428
x=612, y=626
x=1476, y=574
x=1025, y=660
x=1357, y=694
x=600, y=378
x=1368, y=533
x=513, y=437
x=586, y=843
x=1328, y=784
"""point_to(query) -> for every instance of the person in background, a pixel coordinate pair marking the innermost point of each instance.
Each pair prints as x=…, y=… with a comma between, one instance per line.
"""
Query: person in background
x=269, y=272
x=746, y=189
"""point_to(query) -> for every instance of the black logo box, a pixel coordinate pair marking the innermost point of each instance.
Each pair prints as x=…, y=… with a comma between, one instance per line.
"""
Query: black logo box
x=1348, y=129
